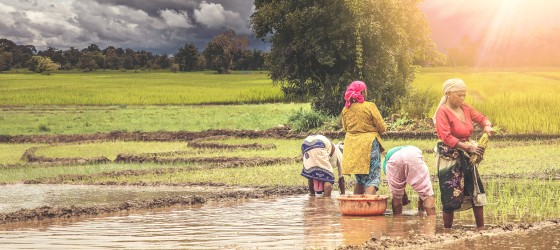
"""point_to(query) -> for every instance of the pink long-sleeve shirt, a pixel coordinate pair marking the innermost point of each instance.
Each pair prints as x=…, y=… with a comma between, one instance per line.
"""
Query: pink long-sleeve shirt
x=451, y=130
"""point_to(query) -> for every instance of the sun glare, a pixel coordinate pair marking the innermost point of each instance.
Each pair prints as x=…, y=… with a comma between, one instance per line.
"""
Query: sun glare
x=504, y=32
x=505, y=29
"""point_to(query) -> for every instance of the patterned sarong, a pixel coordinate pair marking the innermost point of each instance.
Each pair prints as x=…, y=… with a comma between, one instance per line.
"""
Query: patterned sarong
x=316, y=159
x=459, y=182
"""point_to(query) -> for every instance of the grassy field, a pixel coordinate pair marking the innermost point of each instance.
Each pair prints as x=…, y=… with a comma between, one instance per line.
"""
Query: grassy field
x=28, y=120
x=505, y=157
x=509, y=199
x=142, y=88
x=517, y=100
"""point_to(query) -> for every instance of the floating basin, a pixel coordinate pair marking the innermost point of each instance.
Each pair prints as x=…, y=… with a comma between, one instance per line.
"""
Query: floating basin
x=362, y=204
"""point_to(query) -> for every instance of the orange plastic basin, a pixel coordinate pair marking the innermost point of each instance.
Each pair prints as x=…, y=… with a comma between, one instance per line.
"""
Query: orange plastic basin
x=362, y=204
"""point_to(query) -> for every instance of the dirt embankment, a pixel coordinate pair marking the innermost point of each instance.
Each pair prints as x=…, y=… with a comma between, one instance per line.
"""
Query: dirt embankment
x=32, y=158
x=48, y=212
x=280, y=133
x=215, y=163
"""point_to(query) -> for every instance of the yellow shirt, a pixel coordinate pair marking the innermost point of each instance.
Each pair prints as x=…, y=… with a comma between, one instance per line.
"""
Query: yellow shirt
x=363, y=124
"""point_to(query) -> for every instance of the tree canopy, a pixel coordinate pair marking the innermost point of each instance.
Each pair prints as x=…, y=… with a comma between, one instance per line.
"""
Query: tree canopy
x=93, y=57
x=222, y=49
x=320, y=46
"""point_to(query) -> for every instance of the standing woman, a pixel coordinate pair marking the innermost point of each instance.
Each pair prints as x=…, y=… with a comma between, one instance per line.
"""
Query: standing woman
x=460, y=184
x=362, y=144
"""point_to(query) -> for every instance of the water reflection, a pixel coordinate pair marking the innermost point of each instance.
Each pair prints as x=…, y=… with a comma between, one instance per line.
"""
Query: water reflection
x=294, y=222
x=320, y=225
x=358, y=229
x=18, y=196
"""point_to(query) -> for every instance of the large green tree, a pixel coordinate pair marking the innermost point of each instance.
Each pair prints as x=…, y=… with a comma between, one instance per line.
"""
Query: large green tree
x=320, y=46
x=222, y=49
x=5, y=60
x=187, y=57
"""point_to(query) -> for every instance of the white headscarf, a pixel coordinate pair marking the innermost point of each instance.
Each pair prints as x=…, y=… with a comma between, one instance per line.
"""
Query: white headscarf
x=450, y=85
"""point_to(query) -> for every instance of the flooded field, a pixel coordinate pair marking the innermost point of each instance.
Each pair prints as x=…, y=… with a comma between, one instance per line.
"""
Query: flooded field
x=291, y=222
x=15, y=197
x=199, y=198
x=294, y=222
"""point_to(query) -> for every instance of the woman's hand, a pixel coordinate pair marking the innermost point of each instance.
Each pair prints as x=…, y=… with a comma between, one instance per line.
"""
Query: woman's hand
x=489, y=130
x=476, y=150
x=471, y=148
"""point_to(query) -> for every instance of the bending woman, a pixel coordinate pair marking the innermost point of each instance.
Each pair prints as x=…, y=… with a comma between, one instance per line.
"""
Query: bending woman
x=460, y=184
x=363, y=124
x=320, y=156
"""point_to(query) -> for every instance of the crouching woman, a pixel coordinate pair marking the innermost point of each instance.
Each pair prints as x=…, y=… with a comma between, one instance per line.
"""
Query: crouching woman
x=320, y=155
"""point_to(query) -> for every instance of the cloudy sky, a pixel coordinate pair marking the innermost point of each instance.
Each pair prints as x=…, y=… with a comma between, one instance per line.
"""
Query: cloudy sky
x=153, y=25
x=162, y=26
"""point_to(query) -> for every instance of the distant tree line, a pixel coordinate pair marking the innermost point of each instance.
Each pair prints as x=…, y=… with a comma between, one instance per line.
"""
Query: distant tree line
x=225, y=52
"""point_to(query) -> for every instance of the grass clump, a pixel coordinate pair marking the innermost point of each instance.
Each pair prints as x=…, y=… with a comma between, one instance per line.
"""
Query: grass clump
x=304, y=120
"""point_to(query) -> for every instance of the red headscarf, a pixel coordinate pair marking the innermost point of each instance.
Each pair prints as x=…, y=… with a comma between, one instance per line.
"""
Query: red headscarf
x=354, y=90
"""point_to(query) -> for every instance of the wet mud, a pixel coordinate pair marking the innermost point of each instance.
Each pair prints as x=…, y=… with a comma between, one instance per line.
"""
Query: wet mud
x=48, y=212
x=451, y=237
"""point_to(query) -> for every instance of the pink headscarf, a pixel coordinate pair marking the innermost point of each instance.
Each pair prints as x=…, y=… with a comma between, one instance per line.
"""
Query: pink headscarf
x=354, y=90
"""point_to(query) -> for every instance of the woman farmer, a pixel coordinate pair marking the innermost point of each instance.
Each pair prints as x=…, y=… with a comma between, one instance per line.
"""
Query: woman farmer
x=362, y=144
x=320, y=155
x=460, y=184
x=405, y=164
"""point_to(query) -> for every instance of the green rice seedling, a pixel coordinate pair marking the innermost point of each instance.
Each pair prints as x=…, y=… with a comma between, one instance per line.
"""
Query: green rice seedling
x=507, y=96
x=508, y=199
x=92, y=119
x=12, y=153
x=284, y=148
x=145, y=88
x=516, y=159
x=522, y=200
x=108, y=149
x=23, y=173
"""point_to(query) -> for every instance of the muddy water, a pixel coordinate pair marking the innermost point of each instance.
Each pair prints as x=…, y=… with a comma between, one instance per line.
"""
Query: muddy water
x=291, y=222
x=15, y=197
x=294, y=222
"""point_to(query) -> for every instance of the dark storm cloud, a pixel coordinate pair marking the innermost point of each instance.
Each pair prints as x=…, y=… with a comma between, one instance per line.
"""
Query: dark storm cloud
x=154, y=25
x=152, y=7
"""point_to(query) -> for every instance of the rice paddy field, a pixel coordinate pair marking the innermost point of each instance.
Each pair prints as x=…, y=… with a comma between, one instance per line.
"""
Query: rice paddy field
x=54, y=130
x=141, y=88
x=518, y=100
x=519, y=189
